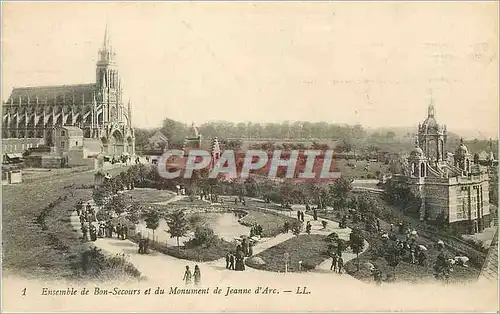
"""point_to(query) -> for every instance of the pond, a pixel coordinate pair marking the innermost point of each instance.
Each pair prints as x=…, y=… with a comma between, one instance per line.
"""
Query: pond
x=225, y=225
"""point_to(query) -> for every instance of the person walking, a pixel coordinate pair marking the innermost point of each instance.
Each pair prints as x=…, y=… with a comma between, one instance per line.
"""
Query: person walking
x=340, y=264
x=228, y=260
x=231, y=261
x=197, y=275
x=334, y=263
x=187, y=276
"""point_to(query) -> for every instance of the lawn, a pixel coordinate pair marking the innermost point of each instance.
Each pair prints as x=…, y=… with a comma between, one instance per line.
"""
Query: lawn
x=187, y=201
x=310, y=249
x=272, y=223
x=150, y=196
x=52, y=252
x=359, y=172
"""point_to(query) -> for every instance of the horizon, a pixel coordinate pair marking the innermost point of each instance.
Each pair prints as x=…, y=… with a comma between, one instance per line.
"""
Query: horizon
x=192, y=62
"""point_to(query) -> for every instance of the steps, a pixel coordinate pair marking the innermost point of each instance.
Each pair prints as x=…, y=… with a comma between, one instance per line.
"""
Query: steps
x=490, y=267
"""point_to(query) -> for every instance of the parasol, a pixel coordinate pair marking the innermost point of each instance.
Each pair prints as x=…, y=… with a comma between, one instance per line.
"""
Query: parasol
x=423, y=248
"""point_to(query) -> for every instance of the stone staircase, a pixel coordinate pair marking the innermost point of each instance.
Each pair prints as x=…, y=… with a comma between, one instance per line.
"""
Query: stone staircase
x=490, y=267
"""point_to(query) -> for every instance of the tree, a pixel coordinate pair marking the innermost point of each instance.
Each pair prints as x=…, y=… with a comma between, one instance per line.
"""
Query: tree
x=152, y=219
x=339, y=190
x=124, y=178
x=134, y=213
x=357, y=243
x=178, y=224
x=117, y=204
x=99, y=195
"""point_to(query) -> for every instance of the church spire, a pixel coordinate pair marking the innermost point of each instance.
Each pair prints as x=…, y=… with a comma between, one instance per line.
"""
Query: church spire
x=106, y=44
x=431, y=111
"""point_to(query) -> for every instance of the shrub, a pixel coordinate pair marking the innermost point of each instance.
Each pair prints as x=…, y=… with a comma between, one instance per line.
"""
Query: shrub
x=94, y=263
x=324, y=223
x=308, y=265
x=203, y=236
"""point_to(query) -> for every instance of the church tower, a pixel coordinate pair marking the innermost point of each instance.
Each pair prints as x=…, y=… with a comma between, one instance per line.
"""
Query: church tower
x=113, y=117
x=108, y=84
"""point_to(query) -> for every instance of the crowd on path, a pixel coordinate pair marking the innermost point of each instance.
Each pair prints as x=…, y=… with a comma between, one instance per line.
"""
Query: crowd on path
x=92, y=228
x=236, y=260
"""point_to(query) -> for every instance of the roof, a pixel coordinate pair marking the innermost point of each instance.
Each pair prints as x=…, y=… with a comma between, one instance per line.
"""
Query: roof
x=80, y=93
x=72, y=130
x=158, y=137
x=14, y=155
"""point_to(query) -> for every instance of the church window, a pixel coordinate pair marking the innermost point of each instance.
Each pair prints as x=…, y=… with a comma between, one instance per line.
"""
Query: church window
x=62, y=144
x=63, y=133
x=76, y=143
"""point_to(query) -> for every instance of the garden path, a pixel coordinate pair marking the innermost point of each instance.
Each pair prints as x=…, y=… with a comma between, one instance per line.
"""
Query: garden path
x=149, y=265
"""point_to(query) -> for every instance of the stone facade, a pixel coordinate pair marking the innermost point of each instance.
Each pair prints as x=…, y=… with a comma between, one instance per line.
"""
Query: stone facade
x=32, y=113
x=451, y=187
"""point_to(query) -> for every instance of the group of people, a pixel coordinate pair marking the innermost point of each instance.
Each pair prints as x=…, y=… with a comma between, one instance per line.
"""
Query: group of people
x=236, y=261
x=92, y=229
x=87, y=217
x=188, y=276
x=143, y=246
x=337, y=263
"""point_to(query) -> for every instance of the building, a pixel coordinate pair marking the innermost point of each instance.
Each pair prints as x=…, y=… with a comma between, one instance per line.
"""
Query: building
x=31, y=114
x=452, y=189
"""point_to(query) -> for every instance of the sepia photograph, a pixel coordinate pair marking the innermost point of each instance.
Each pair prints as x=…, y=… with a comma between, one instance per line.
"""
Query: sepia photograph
x=250, y=156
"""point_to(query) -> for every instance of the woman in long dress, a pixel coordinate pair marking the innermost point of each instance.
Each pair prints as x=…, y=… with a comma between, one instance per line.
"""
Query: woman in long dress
x=197, y=275
x=240, y=265
x=187, y=276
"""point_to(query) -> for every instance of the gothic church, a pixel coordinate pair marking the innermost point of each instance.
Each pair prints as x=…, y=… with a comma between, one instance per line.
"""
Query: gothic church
x=31, y=114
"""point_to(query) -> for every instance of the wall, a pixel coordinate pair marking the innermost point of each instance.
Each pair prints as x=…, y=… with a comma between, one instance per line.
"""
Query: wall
x=75, y=157
x=51, y=162
x=91, y=147
x=19, y=145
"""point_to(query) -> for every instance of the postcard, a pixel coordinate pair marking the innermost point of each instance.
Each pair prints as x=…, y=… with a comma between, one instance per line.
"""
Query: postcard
x=249, y=156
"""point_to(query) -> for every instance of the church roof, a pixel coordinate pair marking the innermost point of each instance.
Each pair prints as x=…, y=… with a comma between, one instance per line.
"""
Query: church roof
x=68, y=94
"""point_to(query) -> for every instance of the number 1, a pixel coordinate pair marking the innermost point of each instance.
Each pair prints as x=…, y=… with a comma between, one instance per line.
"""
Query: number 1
x=24, y=292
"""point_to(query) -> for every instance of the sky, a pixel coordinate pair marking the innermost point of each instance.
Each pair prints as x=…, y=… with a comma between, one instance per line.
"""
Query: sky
x=374, y=63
